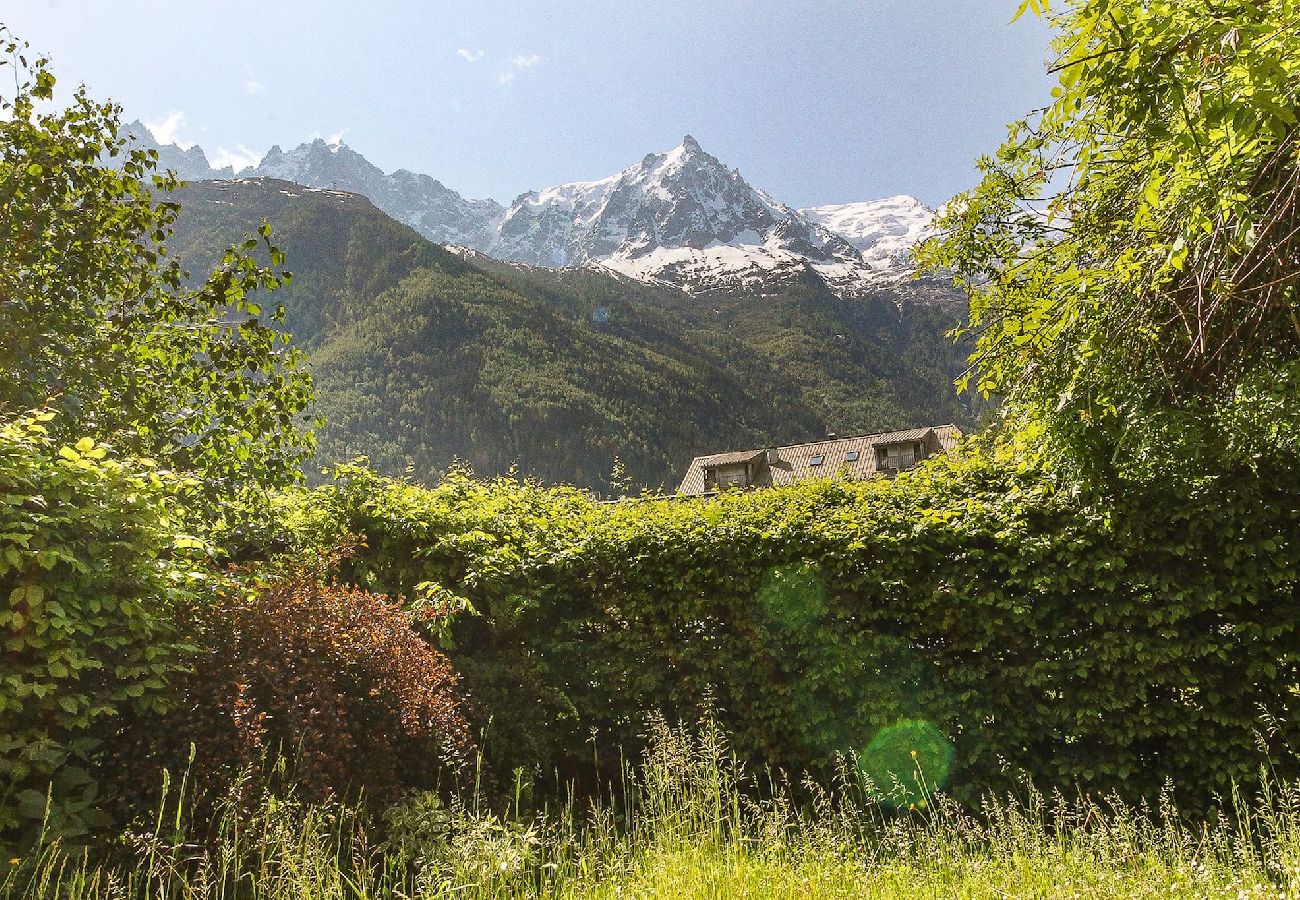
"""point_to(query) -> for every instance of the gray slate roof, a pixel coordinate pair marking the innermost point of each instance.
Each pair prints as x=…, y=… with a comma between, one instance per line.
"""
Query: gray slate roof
x=731, y=459
x=795, y=462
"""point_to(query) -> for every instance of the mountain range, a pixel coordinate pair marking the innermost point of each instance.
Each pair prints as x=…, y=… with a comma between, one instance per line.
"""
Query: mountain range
x=422, y=356
x=681, y=218
x=666, y=311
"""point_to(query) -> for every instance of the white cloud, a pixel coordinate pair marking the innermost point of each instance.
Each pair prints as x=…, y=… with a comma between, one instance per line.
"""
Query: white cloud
x=252, y=85
x=238, y=159
x=469, y=55
x=520, y=62
x=336, y=138
x=165, y=130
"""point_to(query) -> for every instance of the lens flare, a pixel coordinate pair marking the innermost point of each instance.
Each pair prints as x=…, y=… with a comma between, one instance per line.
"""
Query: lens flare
x=793, y=597
x=908, y=761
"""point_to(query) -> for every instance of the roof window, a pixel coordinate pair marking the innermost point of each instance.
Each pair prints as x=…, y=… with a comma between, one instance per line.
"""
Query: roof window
x=852, y=456
x=817, y=460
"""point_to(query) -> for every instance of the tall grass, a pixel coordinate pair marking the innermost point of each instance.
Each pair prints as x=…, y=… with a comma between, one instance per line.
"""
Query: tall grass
x=689, y=822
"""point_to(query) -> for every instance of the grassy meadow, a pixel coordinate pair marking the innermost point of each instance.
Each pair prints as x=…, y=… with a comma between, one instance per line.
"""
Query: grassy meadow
x=687, y=825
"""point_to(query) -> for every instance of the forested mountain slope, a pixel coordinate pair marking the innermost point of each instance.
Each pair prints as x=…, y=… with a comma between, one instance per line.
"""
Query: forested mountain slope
x=422, y=356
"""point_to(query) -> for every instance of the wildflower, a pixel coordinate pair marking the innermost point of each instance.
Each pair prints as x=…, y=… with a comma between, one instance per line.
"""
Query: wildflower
x=13, y=861
x=913, y=754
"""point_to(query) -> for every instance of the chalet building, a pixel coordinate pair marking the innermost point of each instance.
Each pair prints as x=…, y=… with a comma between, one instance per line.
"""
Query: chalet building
x=863, y=456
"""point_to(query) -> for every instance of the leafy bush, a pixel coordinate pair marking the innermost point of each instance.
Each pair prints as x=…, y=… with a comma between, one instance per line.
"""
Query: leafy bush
x=1161, y=287
x=89, y=580
x=334, y=679
x=1089, y=640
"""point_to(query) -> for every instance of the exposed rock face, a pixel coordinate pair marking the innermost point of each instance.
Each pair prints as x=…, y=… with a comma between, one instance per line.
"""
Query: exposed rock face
x=424, y=203
x=681, y=217
x=190, y=164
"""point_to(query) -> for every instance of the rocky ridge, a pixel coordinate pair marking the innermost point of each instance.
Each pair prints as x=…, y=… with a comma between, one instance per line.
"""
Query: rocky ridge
x=680, y=218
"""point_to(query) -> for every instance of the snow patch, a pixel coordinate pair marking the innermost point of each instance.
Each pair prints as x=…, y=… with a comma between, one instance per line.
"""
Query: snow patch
x=883, y=230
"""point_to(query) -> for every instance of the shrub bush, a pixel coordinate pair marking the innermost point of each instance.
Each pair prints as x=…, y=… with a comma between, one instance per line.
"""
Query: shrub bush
x=334, y=680
x=90, y=577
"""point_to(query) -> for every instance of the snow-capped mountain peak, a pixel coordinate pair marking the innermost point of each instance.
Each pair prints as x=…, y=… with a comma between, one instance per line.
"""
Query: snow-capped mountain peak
x=680, y=216
x=190, y=163
x=321, y=164
x=883, y=230
x=671, y=209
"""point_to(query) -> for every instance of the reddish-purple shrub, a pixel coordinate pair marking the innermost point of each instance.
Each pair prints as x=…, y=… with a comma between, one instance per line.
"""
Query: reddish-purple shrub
x=334, y=679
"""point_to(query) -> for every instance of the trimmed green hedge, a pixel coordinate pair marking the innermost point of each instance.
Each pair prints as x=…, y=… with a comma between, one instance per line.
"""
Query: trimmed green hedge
x=1098, y=642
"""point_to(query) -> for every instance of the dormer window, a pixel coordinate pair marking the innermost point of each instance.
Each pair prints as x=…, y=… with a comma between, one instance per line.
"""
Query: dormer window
x=898, y=456
x=732, y=476
x=734, y=470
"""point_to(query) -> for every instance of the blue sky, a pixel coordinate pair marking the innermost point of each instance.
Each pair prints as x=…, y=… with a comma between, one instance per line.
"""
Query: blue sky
x=815, y=101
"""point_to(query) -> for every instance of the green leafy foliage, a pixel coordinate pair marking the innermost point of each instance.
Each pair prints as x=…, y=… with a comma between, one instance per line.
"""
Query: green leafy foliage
x=90, y=574
x=907, y=762
x=171, y=404
x=99, y=322
x=992, y=612
x=1102, y=642
x=1132, y=250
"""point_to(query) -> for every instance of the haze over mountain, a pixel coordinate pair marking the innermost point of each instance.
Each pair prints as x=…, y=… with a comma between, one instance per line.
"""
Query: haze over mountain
x=424, y=203
x=680, y=218
x=190, y=163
